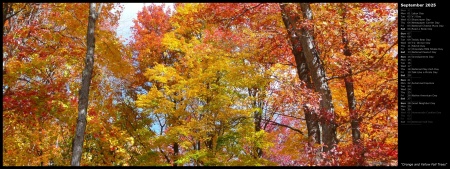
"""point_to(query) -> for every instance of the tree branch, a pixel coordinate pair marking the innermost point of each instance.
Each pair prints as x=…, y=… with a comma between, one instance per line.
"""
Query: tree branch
x=165, y=156
x=276, y=123
x=242, y=13
x=298, y=118
x=6, y=17
x=375, y=90
x=99, y=11
x=366, y=69
x=283, y=125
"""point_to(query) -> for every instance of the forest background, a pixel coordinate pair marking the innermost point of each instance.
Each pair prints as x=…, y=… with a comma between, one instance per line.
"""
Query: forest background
x=200, y=84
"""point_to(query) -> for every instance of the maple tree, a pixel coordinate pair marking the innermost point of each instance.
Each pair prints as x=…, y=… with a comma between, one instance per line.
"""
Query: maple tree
x=204, y=84
x=44, y=56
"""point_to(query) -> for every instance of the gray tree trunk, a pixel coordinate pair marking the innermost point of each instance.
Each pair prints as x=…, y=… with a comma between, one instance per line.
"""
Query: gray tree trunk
x=312, y=123
x=77, y=145
x=327, y=115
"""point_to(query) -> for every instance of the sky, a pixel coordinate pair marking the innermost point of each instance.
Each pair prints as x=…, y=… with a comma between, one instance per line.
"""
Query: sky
x=128, y=14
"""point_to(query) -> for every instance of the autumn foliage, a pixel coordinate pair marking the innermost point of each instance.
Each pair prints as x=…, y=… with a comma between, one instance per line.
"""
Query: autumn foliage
x=204, y=84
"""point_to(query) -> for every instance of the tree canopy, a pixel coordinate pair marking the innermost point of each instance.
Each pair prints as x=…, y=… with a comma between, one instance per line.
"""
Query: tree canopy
x=204, y=84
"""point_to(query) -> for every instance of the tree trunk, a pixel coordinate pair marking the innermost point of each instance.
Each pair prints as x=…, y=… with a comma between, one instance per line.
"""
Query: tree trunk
x=349, y=86
x=257, y=115
x=175, y=153
x=312, y=123
x=355, y=122
x=7, y=9
x=197, y=162
x=84, y=91
x=348, y=80
x=327, y=115
x=356, y=134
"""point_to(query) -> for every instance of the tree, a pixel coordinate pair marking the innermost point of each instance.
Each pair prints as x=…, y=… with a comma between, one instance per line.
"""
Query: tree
x=351, y=100
x=34, y=86
x=311, y=118
x=41, y=75
x=327, y=115
x=85, y=84
x=204, y=89
x=358, y=16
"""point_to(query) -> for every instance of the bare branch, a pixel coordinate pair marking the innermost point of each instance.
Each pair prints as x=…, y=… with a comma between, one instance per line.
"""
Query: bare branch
x=284, y=125
x=298, y=118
